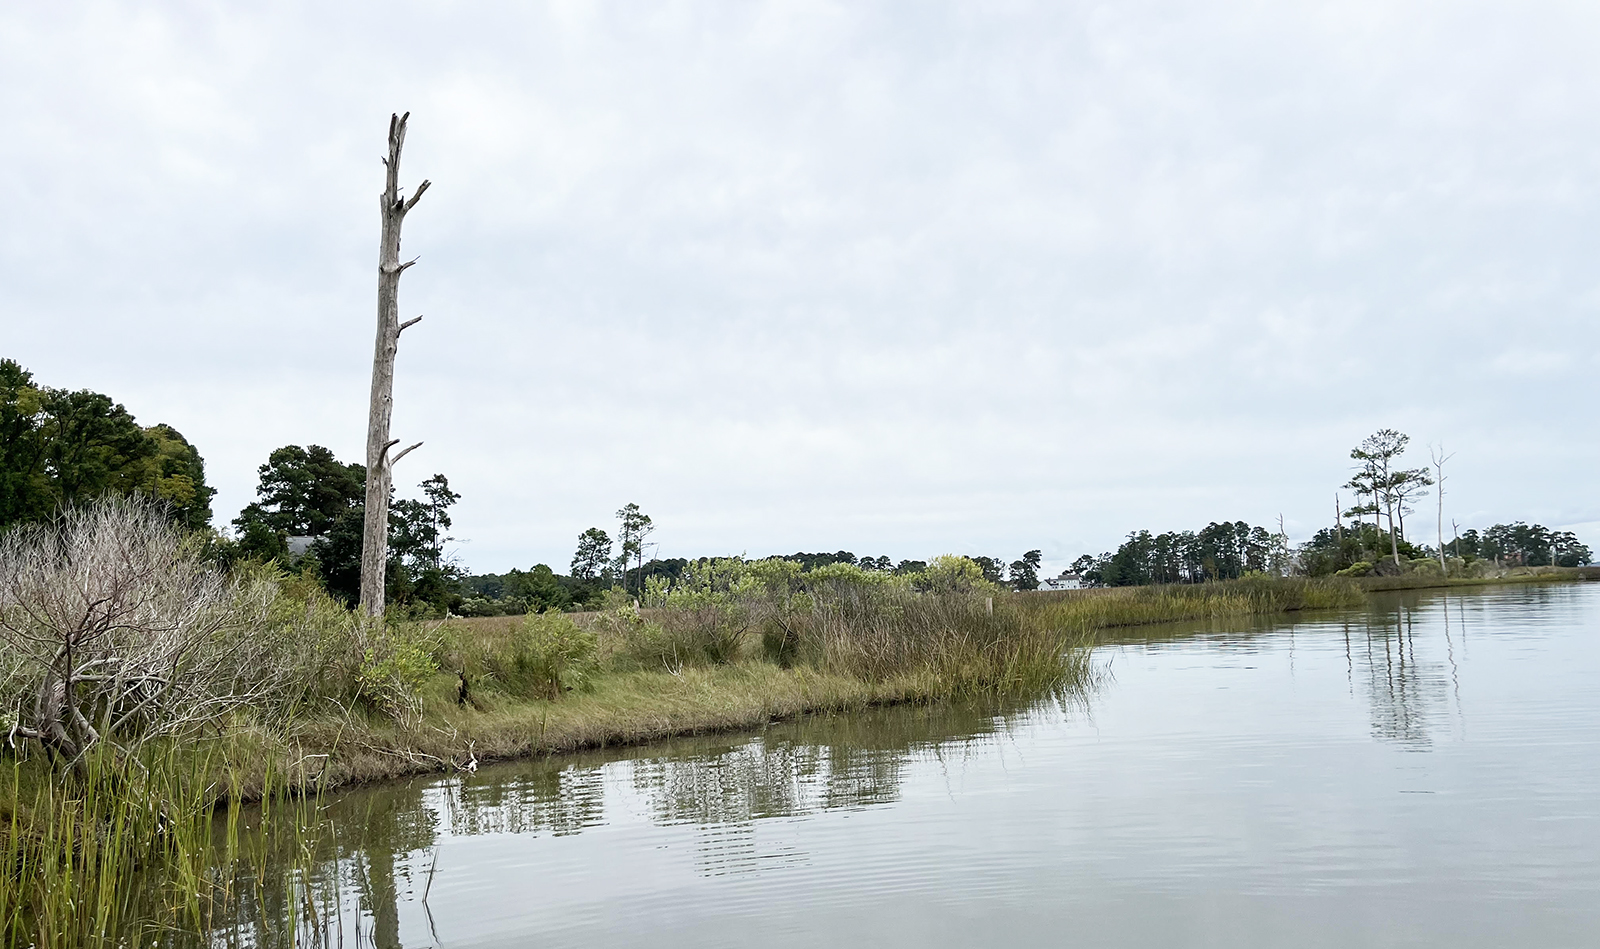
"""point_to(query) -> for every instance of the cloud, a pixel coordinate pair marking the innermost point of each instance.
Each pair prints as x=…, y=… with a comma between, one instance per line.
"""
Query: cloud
x=820, y=275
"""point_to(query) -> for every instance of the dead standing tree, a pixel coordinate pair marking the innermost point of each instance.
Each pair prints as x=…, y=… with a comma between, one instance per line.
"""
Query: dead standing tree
x=380, y=467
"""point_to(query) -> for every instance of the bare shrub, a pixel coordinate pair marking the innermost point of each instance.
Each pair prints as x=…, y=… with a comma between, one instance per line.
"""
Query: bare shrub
x=113, y=630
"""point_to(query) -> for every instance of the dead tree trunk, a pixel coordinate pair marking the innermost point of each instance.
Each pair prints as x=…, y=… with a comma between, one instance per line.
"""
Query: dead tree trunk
x=380, y=467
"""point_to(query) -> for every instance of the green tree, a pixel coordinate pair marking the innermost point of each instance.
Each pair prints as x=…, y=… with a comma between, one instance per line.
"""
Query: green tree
x=302, y=492
x=175, y=474
x=1379, y=476
x=633, y=526
x=25, y=493
x=60, y=448
x=592, y=559
x=1025, y=572
x=994, y=569
x=416, y=527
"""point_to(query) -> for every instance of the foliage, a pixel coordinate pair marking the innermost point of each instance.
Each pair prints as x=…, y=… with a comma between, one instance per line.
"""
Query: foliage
x=1025, y=572
x=1336, y=550
x=1220, y=551
x=302, y=492
x=1521, y=544
x=633, y=526
x=1390, y=487
x=60, y=448
x=591, y=561
x=416, y=527
x=550, y=655
x=394, y=668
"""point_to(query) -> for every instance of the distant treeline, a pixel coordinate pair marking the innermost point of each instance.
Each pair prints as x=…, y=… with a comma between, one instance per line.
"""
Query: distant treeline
x=540, y=588
x=60, y=448
x=1222, y=550
x=1230, y=550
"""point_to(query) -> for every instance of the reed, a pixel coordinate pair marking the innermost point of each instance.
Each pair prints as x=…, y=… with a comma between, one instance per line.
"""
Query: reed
x=1137, y=606
x=123, y=852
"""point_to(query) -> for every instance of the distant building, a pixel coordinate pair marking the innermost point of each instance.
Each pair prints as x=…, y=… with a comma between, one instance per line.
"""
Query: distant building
x=1067, y=581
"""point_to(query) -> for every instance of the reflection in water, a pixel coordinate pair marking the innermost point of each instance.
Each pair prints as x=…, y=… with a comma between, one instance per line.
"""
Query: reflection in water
x=1404, y=693
x=378, y=846
x=735, y=808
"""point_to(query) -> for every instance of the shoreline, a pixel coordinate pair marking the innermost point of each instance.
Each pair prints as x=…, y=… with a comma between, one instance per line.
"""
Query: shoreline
x=640, y=708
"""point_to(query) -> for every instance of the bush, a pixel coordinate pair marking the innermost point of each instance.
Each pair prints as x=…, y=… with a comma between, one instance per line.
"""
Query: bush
x=550, y=655
x=1360, y=568
x=116, y=628
x=392, y=673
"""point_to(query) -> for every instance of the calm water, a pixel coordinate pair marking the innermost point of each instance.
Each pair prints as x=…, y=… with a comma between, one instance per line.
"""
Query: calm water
x=1426, y=772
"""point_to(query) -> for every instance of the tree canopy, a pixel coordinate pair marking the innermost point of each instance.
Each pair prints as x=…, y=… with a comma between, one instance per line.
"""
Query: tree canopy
x=61, y=448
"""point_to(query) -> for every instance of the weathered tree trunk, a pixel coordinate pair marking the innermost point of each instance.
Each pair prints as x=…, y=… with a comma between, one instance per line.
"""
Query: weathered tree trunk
x=375, y=531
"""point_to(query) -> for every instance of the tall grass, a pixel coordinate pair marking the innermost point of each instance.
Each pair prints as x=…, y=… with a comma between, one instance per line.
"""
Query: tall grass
x=125, y=853
x=951, y=644
x=1137, y=606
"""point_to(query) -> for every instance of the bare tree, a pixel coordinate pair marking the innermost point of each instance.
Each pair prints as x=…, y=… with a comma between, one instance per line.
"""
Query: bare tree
x=1439, y=458
x=113, y=631
x=380, y=467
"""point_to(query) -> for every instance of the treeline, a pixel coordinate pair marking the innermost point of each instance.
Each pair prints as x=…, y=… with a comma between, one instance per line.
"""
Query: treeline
x=61, y=448
x=594, y=572
x=1222, y=550
x=1386, y=491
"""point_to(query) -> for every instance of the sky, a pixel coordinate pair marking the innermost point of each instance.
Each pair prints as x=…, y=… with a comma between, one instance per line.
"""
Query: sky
x=898, y=278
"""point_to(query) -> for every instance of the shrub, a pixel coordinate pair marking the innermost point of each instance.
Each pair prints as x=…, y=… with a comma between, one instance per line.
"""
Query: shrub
x=392, y=673
x=550, y=655
x=115, y=628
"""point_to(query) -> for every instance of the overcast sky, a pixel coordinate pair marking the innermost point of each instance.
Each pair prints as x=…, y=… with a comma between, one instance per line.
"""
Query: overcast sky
x=902, y=279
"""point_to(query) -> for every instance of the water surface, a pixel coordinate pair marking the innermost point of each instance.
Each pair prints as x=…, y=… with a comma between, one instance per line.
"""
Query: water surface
x=1424, y=772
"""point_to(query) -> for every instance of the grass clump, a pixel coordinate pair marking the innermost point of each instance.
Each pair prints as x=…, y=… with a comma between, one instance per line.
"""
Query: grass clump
x=549, y=657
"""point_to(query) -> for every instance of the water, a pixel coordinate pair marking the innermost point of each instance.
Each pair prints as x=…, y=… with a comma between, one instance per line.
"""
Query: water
x=1425, y=772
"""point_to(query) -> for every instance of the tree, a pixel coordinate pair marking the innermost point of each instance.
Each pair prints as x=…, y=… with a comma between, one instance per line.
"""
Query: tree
x=419, y=526
x=633, y=527
x=1379, y=476
x=593, y=555
x=380, y=467
x=24, y=489
x=302, y=492
x=61, y=449
x=174, y=475
x=1025, y=572
x=994, y=569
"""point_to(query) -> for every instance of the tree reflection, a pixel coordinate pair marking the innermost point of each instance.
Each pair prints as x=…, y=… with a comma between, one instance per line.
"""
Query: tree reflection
x=1404, y=693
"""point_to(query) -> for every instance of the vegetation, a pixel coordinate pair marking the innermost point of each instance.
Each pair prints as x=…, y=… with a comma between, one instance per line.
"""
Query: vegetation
x=1386, y=491
x=1219, y=551
x=60, y=448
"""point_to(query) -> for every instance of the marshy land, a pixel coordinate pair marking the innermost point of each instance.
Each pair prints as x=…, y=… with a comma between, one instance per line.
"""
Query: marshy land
x=151, y=695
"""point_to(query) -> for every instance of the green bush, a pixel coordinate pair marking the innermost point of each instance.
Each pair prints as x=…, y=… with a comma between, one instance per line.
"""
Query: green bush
x=549, y=656
x=1360, y=568
x=392, y=673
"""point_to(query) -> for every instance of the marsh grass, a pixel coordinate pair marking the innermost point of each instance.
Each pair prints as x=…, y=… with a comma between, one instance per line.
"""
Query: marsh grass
x=1090, y=610
x=131, y=853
